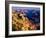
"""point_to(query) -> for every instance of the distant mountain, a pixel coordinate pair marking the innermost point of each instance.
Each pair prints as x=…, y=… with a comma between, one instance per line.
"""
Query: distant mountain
x=31, y=13
x=34, y=15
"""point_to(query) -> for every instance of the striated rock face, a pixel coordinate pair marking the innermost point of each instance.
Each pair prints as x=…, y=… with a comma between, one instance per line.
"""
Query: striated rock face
x=22, y=23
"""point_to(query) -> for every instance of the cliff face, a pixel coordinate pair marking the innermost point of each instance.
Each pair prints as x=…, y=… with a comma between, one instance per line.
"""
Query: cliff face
x=19, y=22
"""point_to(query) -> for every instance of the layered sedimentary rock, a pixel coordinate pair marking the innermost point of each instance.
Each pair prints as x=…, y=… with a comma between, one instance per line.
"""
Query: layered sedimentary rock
x=20, y=22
